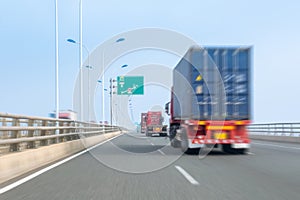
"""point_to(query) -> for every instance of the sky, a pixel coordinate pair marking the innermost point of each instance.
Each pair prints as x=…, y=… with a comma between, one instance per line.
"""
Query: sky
x=27, y=69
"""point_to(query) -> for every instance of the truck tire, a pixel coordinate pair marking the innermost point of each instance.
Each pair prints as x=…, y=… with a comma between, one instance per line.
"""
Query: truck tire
x=227, y=148
x=162, y=135
x=241, y=151
x=172, y=133
x=175, y=143
x=185, y=144
x=148, y=134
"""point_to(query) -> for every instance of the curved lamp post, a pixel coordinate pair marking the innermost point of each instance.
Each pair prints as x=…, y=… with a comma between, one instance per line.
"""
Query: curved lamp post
x=81, y=79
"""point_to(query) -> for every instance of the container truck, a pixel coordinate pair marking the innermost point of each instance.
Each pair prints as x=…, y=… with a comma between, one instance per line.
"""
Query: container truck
x=154, y=126
x=210, y=100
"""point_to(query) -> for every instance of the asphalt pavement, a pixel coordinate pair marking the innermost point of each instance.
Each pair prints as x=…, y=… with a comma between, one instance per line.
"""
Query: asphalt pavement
x=133, y=166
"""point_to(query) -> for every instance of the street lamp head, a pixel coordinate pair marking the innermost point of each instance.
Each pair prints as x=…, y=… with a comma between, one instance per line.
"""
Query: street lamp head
x=120, y=39
x=72, y=41
x=123, y=66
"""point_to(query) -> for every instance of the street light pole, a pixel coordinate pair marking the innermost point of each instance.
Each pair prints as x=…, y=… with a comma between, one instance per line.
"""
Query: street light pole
x=81, y=74
x=103, y=90
x=89, y=82
x=111, y=95
x=80, y=58
x=103, y=81
x=56, y=64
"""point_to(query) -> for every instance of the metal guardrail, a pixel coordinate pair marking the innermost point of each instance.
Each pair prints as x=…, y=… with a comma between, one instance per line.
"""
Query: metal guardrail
x=19, y=132
x=275, y=129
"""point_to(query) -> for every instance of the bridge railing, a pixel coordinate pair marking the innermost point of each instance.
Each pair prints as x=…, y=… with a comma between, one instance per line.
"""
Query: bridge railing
x=275, y=129
x=18, y=132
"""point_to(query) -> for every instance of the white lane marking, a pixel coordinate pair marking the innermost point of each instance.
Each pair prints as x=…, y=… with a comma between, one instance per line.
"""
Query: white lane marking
x=160, y=151
x=187, y=175
x=275, y=145
x=28, y=178
x=250, y=153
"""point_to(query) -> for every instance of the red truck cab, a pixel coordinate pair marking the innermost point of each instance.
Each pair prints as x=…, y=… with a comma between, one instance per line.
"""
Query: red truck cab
x=154, y=124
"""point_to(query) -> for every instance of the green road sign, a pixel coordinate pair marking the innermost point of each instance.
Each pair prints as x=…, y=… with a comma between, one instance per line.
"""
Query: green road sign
x=130, y=85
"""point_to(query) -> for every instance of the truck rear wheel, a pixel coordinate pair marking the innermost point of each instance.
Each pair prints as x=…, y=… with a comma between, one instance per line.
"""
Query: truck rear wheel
x=228, y=149
x=172, y=136
x=240, y=151
x=172, y=131
x=175, y=143
x=163, y=135
x=185, y=144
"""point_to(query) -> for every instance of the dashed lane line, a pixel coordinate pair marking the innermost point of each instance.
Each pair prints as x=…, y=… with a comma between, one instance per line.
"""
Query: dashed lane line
x=187, y=175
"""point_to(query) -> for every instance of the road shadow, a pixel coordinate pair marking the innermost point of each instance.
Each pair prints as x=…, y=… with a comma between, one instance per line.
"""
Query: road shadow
x=215, y=153
x=140, y=148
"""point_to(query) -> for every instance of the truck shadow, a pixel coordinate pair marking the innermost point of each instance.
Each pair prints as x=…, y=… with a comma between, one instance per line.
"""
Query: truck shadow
x=215, y=153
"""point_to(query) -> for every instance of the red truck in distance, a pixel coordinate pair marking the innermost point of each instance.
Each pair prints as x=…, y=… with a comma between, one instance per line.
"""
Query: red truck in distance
x=153, y=121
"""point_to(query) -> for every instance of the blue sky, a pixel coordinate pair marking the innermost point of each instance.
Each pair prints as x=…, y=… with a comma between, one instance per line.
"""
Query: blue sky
x=27, y=45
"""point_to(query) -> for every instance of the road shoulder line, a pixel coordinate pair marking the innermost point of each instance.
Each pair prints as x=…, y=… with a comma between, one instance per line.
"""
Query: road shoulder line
x=275, y=145
x=28, y=178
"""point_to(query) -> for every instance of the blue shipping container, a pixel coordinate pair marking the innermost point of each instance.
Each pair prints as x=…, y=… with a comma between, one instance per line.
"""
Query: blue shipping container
x=213, y=83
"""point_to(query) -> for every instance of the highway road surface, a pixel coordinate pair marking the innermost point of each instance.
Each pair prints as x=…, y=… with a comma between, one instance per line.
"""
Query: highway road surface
x=133, y=166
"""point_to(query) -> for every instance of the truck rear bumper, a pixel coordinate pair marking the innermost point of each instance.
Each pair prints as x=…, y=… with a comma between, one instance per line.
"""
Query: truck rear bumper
x=194, y=145
x=240, y=146
x=154, y=133
x=235, y=144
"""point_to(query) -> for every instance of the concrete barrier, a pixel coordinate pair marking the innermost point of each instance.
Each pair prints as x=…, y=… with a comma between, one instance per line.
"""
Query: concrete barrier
x=18, y=163
x=275, y=138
